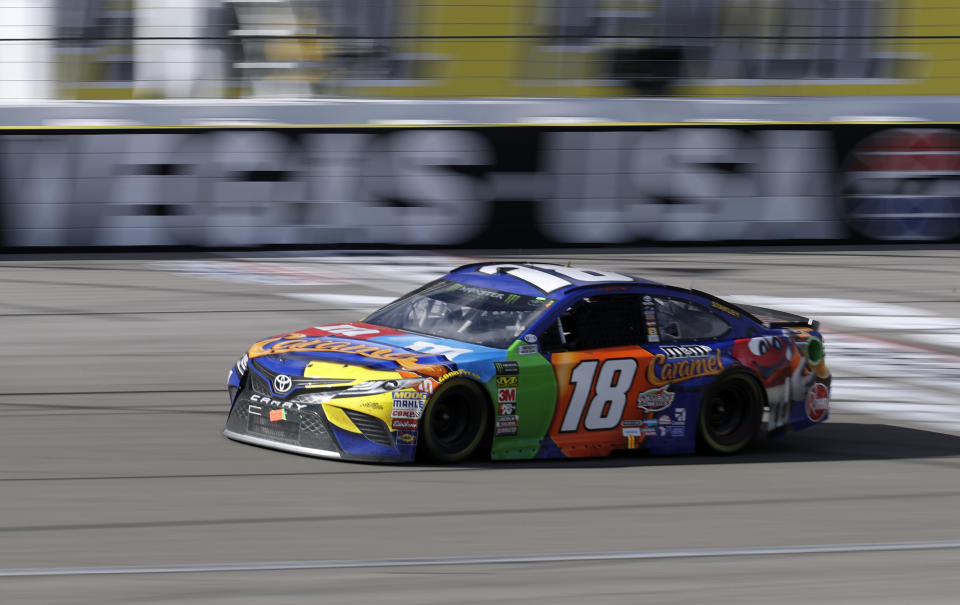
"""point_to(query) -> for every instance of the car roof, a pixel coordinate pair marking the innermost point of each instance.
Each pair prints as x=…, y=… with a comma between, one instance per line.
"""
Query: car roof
x=559, y=281
x=540, y=279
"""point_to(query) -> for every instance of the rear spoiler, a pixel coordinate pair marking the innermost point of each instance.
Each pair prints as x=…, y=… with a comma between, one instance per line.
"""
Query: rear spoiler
x=779, y=319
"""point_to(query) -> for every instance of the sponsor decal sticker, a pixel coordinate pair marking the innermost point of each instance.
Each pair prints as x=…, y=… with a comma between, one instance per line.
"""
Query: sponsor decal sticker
x=818, y=402
x=530, y=338
x=457, y=373
x=278, y=415
x=403, y=423
x=406, y=438
x=412, y=414
x=507, y=381
x=655, y=400
x=508, y=395
x=409, y=399
x=722, y=307
x=510, y=368
x=408, y=404
x=664, y=423
x=507, y=425
x=507, y=409
x=664, y=370
x=676, y=352
x=528, y=350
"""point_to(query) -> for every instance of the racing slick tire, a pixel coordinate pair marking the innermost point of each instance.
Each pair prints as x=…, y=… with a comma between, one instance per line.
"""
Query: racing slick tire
x=455, y=423
x=730, y=414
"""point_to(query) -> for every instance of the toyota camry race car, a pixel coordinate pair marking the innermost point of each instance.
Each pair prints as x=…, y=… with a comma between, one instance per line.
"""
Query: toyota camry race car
x=518, y=361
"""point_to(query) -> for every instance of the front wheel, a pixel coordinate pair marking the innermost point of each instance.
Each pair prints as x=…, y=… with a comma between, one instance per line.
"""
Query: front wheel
x=730, y=414
x=455, y=422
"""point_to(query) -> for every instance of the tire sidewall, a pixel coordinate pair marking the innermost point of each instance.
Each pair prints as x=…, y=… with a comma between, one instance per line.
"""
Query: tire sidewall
x=754, y=413
x=473, y=394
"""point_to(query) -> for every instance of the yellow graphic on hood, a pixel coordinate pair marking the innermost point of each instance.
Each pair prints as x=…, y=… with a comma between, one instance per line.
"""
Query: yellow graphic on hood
x=337, y=372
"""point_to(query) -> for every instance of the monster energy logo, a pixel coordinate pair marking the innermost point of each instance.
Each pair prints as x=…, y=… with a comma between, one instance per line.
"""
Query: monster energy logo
x=512, y=299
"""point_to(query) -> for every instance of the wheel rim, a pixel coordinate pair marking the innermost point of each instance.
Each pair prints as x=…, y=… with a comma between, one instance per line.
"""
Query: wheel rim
x=728, y=414
x=451, y=419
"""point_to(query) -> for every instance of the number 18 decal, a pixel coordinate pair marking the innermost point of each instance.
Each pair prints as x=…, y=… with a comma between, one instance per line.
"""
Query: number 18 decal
x=605, y=409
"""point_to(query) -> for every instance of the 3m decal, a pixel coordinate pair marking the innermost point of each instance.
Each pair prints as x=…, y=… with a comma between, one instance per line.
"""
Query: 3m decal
x=508, y=395
x=663, y=370
x=605, y=409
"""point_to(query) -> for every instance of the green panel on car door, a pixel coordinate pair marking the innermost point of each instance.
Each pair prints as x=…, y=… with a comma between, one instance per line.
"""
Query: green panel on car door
x=536, y=398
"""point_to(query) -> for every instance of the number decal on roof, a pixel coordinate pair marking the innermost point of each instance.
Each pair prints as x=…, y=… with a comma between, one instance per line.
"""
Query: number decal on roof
x=543, y=276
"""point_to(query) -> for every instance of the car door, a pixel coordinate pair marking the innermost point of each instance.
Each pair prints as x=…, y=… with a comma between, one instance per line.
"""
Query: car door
x=596, y=347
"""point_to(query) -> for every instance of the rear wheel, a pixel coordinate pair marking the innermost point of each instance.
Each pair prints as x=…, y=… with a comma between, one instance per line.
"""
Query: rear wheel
x=730, y=414
x=455, y=422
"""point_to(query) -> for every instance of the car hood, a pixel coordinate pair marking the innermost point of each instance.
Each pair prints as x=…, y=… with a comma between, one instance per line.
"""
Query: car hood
x=374, y=348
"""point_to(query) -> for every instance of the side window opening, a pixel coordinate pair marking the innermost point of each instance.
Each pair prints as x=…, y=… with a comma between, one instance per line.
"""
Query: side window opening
x=682, y=320
x=597, y=322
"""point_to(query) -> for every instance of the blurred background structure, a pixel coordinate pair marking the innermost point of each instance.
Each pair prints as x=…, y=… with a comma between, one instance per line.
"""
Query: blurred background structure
x=148, y=49
x=480, y=123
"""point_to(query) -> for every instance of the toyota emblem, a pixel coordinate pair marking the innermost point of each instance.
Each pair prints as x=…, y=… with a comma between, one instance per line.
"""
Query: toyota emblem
x=282, y=383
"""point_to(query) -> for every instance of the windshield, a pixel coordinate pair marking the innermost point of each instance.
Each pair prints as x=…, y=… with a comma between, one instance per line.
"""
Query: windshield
x=448, y=309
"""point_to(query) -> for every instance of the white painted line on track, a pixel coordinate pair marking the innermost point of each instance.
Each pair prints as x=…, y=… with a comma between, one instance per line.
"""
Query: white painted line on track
x=487, y=560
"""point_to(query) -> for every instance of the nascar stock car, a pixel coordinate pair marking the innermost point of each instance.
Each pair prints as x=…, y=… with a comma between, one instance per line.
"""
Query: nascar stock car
x=532, y=360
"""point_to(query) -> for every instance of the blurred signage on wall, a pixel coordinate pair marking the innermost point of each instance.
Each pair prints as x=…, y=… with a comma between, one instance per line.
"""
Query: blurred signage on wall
x=519, y=187
x=456, y=48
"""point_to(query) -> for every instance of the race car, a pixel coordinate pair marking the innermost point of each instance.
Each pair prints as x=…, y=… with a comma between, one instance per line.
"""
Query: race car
x=533, y=360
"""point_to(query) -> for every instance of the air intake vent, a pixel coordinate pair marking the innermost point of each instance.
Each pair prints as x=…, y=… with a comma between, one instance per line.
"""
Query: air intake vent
x=372, y=428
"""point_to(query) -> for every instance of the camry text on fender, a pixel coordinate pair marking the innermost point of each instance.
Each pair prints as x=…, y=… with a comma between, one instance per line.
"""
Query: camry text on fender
x=518, y=361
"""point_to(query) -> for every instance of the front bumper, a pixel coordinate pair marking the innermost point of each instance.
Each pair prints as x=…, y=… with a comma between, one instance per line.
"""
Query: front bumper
x=307, y=431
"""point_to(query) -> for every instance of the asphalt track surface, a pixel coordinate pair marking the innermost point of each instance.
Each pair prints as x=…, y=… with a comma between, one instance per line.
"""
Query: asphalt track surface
x=115, y=485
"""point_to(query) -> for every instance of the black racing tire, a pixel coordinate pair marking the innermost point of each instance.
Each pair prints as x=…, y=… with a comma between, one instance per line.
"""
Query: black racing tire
x=455, y=423
x=730, y=414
